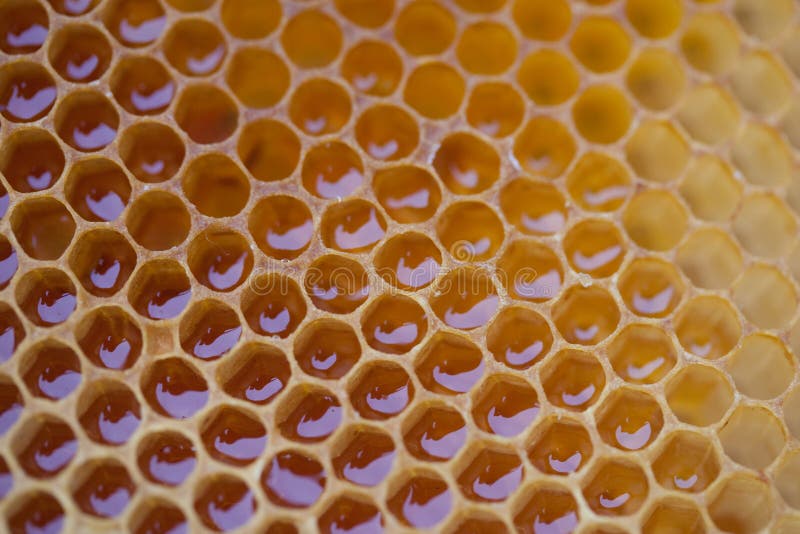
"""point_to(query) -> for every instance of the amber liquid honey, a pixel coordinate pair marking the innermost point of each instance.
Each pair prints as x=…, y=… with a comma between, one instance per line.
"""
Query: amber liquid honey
x=362, y=266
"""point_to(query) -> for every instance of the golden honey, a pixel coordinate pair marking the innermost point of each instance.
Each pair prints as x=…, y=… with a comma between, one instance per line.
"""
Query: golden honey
x=361, y=266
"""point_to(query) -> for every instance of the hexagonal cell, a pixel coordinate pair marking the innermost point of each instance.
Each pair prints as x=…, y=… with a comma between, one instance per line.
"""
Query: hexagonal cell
x=337, y=284
x=670, y=513
x=154, y=513
x=50, y=369
x=319, y=106
x=519, y=337
x=151, y=151
x=363, y=455
x=282, y=226
x=166, y=457
x=332, y=170
x=250, y=19
x=657, y=152
x=710, y=43
x=654, y=20
x=656, y=78
x=215, y=185
x=585, y=315
x=629, y=419
x=602, y=114
x=194, y=47
x=763, y=20
x=108, y=411
x=386, y=132
x=434, y=432
x=466, y=164
x=327, y=348
x=530, y=271
x=423, y=500
x=224, y=502
x=710, y=189
x=594, y=247
x=12, y=333
x=32, y=160
x=311, y=39
x=292, y=479
x=709, y=114
x=407, y=193
x=173, y=387
x=79, y=52
x=762, y=367
x=394, y=324
x=24, y=27
x=43, y=227
x=710, y=259
x=486, y=48
x=573, y=379
x=598, y=182
x=544, y=147
x=560, y=446
x=268, y=149
x=44, y=445
x=134, y=23
x=495, y=108
x=546, y=507
x=353, y=226
x=209, y=330
x=449, y=364
x=11, y=403
x=786, y=476
x=764, y=225
x=655, y=220
x=504, y=405
x=102, y=260
x=615, y=487
x=252, y=90
x=699, y=395
x=542, y=20
x=380, y=390
x=233, y=435
x=272, y=305
x=373, y=67
x=600, y=43
x=642, y=354
x=489, y=473
x=742, y=503
x=762, y=156
x=160, y=290
x=46, y=296
x=435, y=90
x=462, y=309
x=86, y=120
x=707, y=326
x=533, y=207
x=220, y=258
x=158, y=220
x=35, y=509
x=745, y=422
x=409, y=261
x=96, y=482
x=470, y=231
x=350, y=514
x=687, y=462
x=206, y=113
x=256, y=372
x=109, y=338
x=97, y=189
x=548, y=77
x=142, y=85
x=308, y=414
x=765, y=296
x=650, y=287
x=27, y=91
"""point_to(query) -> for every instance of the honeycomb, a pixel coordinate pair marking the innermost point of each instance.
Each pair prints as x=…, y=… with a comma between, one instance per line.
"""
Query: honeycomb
x=352, y=266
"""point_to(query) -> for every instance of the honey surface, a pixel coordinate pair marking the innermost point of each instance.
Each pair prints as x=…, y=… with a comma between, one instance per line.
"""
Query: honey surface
x=361, y=266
